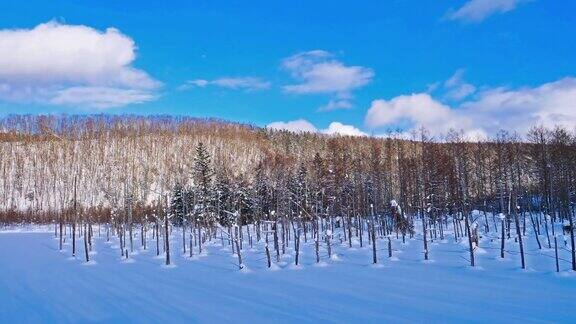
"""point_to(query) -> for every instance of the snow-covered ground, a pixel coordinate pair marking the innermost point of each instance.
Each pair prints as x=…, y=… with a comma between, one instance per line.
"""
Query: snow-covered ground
x=40, y=284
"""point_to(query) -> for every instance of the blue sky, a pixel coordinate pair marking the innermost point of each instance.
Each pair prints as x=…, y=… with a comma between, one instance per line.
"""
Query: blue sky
x=327, y=66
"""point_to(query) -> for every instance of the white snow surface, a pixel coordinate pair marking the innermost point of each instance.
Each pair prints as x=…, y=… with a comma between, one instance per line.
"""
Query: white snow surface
x=38, y=283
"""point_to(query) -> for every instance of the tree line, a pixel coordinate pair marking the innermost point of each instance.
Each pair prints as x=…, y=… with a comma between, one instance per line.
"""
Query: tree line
x=210, y=178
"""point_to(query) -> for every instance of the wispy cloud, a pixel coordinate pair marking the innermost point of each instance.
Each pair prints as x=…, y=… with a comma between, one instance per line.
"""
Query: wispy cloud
x=336, y=104
x=457, y=88
x=318, y=72
x=100, y=97
x=235, y=83
x=478, y=10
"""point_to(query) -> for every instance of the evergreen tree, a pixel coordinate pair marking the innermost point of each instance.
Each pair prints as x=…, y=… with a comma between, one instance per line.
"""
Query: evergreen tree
x=177, y=205
x=223, y=199
x=262, y=198
x=203, y=174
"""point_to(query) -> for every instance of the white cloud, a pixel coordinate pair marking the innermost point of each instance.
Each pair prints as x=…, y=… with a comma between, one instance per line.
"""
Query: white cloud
x=302, y=125
x=53, y=62
x=341, y=129
x=457, y=88
x=297, y=126
x=550, y=104
x=335, y=104
x=419, y=110
x=478, y=10
x=238, y=83
x=201, y=83
x=100, y=97
x=318, y=72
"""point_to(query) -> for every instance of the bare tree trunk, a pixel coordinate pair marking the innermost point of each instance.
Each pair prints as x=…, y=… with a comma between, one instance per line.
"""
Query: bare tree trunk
x=237, y=242
x=517, y=221
x=144, y=234
x=199, y=239
x=249, y=235
x=535, y=232
x=86, y=243
x=360, y=225
x=296, y=243
x=424, y=231
x=122, y=236
x=131, y=235
x=167, y=240
x=283, y=236
x=570, y=216
x=349, y=231
x=190, y=248
x=267, y=252
x=74, y=238
x=157, y=238
x=276, y=245
x=317, y=244
x=556, y=253
x=89, y=235
x=74, y=222
x=61, y=238
x=547, y=232
x=373, y=233
x=470, y=245
x=184, y=238
x=329, y=243
x=502, y=238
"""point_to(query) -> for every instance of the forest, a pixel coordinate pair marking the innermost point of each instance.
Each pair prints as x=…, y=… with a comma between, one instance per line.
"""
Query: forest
x=143, y=180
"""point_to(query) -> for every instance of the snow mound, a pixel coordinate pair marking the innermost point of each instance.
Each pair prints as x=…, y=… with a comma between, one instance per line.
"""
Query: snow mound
x=321, y=264
x=90, y=263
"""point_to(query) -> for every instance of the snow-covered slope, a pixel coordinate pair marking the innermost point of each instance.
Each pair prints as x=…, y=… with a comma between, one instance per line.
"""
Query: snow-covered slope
x=40, y=284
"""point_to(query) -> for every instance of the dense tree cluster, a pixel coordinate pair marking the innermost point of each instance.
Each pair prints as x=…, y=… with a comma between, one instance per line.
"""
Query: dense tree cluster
x=205, y=175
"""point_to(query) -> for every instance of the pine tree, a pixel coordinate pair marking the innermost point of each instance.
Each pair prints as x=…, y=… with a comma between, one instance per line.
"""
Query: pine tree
x=222, y=199
x=177, y=205
x=203, y=174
